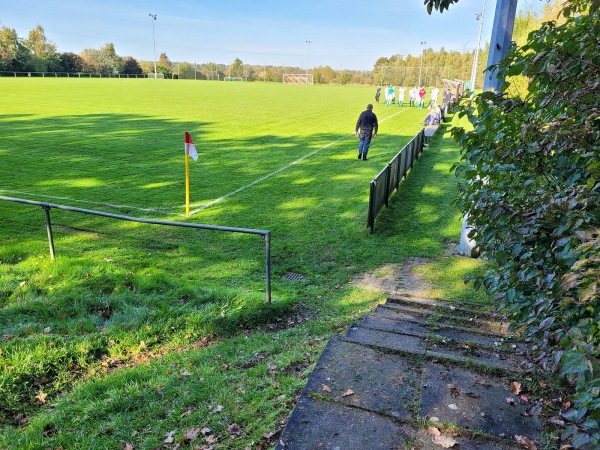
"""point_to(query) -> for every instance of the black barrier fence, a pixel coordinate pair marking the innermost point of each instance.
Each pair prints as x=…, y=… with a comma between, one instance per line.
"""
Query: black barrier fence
x=48, y=206
x=14, y=74
x=388, y=180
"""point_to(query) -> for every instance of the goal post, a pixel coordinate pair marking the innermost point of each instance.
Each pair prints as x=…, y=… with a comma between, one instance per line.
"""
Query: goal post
x=298, y=78
x=234, y=79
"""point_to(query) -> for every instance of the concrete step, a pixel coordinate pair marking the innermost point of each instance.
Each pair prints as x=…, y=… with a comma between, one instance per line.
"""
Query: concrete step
x=461, y=318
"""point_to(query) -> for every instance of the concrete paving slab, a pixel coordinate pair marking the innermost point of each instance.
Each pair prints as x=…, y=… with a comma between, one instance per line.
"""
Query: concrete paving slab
x=493, y=341
x=443, y=318
x=395, y=325
x=385, y=339
x=397, y=314
x=379, y=382
x=316, y=424
x=479, y=355
x=445, y=306
x=426, y=440
x=474, y=401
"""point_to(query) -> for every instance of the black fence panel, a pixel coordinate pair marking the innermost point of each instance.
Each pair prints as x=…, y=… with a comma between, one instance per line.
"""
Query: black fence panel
x=388, y=180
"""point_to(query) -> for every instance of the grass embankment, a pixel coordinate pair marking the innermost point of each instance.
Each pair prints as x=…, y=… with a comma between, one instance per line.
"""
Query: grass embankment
x=137, y=333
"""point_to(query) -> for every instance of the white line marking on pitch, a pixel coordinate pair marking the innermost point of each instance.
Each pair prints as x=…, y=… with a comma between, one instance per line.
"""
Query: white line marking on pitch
x=161, y=210
x=206, y=205
x=217, y=200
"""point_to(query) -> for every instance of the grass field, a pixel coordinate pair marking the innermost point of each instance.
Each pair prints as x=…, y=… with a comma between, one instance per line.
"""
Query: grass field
x=137, y=334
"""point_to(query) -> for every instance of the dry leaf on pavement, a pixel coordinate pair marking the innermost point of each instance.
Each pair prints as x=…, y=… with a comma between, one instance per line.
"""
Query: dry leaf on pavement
x=515, y=387
x=526, y=442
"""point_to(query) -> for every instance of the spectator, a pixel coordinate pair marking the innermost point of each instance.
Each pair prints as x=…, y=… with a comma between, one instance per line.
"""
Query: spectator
x=367, y=126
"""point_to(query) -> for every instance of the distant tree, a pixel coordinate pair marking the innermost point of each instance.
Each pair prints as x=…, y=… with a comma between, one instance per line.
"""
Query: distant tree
x=131, y=66
x=104, y=60
x=147, y=66
x=186, y=71
x=70, y=62
x=236, y=69
x=44, y=53
x=110, y=62
x=90, y=59
x=13, y=54
x=163, y=60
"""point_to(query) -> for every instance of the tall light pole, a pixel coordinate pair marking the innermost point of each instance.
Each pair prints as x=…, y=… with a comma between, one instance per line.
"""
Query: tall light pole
x=153, y=19
x=421, y=67
x=307, y=56
x=478, y=16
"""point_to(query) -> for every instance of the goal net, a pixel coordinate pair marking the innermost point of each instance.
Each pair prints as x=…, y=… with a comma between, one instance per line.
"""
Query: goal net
x=298, y=78
x=234, y=79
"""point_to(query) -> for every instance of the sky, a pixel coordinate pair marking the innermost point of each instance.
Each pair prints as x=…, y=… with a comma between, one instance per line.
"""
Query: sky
x=344, y=34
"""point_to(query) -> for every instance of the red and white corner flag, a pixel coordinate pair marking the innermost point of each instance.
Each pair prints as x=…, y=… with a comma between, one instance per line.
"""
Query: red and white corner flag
x=190, y=148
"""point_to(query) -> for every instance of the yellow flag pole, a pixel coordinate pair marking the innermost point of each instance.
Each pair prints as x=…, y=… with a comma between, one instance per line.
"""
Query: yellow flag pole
x=187, y=185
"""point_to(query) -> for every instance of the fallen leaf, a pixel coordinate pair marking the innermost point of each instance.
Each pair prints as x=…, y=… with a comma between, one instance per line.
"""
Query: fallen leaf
x=191, y=435
x=234, y=429
x=268, y=435
x=441, y=439
x=511, y=401
x=347, y=393
x=219, y=408
x=170, y=439
x=454, y=390
x=543, y=384
x=211, y=439
x=127, y=446
x=453, y=406
x=526, y=442
x=205, y=431
x=185, y=373
x=515, y=387
x=41, y=397
x=47, y=330
x=326, y=388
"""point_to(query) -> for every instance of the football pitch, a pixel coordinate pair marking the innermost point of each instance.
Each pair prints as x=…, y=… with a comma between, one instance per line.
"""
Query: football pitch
x=137, y=331
x=271, y=156
x=118, y=143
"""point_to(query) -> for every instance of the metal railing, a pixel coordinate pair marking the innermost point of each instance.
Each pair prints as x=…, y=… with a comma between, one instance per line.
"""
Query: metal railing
x=388, y=180
x=48, y=206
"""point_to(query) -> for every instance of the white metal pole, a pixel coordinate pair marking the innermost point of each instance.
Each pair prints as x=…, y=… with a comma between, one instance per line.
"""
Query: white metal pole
x=153, y=18
x=476, y=59
x=421, y=66
x=307, y=57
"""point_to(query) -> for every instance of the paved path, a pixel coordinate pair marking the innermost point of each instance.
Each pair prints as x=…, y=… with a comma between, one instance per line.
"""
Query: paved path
x=415, y=374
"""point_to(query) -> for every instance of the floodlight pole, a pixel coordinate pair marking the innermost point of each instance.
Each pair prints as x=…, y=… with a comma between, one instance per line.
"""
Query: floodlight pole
x=478, y=16
x=307, y=57
x=153, y=18
x=421, y=66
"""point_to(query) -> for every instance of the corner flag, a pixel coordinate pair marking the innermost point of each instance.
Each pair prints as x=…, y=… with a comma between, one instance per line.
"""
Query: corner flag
x=190, y=148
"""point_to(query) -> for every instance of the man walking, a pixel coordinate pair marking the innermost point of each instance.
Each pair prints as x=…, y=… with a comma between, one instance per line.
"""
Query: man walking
x=368, y=126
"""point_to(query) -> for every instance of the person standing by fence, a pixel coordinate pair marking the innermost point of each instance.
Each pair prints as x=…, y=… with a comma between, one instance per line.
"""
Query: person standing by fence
x=367, y=126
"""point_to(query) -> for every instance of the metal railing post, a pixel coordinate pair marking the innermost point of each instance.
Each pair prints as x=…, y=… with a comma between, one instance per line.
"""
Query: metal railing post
x=49, y=230
x=268, y=264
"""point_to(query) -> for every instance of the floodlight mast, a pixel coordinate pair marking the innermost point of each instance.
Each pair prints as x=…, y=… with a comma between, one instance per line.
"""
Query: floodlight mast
x=478, y=16
x=307, y=55
x=153, y=18
x=421, y=66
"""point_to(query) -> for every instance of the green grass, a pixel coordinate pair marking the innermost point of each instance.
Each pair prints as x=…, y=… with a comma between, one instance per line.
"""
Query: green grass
x=135, y=330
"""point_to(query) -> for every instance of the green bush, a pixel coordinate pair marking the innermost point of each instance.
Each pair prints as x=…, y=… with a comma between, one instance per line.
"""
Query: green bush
x=530, y=182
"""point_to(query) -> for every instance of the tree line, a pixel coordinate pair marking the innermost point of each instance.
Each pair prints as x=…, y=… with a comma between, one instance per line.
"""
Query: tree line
x=37, y=54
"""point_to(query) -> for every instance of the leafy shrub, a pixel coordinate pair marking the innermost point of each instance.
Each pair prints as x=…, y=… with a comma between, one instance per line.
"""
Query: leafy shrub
x=530, y=182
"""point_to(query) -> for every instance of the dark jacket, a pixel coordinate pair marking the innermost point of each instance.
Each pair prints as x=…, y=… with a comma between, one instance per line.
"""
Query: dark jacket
x=367, y=121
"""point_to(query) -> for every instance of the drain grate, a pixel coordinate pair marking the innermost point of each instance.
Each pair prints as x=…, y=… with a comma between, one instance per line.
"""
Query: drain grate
x=292, y=276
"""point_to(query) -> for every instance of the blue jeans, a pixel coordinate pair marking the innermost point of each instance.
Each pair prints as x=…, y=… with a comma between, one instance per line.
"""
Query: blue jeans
x=364, y=142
